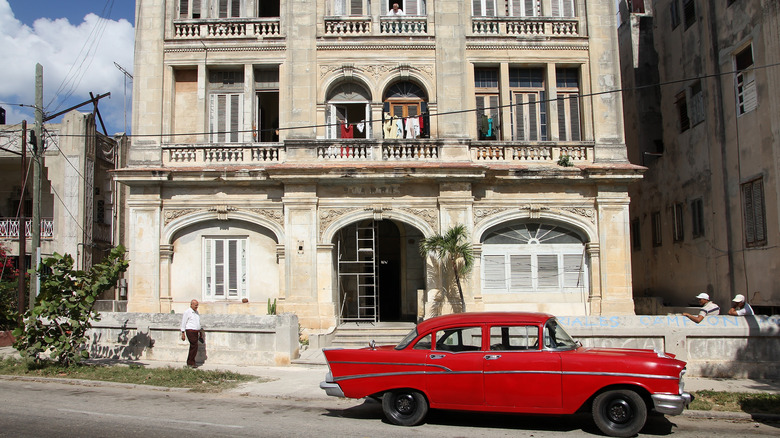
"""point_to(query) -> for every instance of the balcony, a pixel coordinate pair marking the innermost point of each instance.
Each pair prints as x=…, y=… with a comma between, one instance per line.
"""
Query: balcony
x=227, y=28
x=376, y=151
x=9, y=228
x=541, y=152
x=525, y=26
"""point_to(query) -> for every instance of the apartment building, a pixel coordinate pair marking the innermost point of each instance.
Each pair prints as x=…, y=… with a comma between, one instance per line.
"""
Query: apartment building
x=80, y=203
x=299, y=151
x=704, y=118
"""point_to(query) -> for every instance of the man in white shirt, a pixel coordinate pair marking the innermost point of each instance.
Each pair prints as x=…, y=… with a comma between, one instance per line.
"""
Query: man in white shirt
x=707, y=308
x=396, y=10
x=191, y=331
x=740, y=307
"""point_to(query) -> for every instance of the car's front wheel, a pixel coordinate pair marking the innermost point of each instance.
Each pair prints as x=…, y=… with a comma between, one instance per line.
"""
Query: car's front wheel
x=404, y=407
x=620, y=412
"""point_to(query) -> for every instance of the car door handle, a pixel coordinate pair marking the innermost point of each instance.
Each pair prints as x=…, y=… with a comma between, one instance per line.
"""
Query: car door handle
x=437, y=356
x=492, y=356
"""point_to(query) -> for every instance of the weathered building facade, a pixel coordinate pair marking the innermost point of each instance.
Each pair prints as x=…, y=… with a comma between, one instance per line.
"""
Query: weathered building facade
x=704, y=119
x=80, y=205
x=299, y=151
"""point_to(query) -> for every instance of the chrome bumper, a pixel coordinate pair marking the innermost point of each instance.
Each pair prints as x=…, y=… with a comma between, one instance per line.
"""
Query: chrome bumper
x=331, y=388
x=671, y=404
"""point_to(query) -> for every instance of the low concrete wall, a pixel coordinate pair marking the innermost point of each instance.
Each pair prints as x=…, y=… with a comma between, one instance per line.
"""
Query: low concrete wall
x=720, y=346
x=230, y=339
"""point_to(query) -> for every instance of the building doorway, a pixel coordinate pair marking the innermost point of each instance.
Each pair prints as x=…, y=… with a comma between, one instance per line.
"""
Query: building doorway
x=379, y=271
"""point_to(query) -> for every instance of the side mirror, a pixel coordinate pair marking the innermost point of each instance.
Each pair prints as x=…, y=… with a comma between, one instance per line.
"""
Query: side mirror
x=372, y=344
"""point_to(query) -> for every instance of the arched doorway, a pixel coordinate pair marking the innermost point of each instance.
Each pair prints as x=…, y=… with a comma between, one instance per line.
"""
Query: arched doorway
x=378, y=271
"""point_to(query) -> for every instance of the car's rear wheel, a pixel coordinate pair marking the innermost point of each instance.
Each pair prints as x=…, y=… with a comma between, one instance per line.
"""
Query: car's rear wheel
x=404, y=407
x=620, y=412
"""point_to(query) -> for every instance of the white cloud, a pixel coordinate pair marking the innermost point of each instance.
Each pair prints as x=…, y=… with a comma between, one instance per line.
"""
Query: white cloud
x=77, y=59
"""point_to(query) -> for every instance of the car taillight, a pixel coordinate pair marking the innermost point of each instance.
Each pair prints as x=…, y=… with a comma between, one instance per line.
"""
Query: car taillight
x=682, y=384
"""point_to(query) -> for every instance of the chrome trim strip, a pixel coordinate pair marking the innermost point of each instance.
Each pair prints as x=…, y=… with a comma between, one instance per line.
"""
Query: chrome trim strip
x=393, y=364
x=402, y=373
x=642, y=376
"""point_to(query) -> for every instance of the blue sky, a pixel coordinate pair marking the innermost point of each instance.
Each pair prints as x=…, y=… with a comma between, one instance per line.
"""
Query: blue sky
x=77, y=42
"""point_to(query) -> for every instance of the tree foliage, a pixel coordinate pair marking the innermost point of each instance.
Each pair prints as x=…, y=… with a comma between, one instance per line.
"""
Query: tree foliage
x=9, y=292
x=64, y=310
x=454, y=252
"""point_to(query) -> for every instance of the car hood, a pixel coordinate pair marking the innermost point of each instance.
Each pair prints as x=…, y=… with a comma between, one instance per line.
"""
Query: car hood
x=625, y=352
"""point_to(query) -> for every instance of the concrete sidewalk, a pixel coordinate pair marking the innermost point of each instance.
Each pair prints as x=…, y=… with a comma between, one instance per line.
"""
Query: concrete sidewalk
x=300, y=381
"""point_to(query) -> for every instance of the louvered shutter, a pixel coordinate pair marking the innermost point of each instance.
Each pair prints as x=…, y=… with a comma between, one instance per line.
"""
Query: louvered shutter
x=480, y=112
x=490, y=8
x=572, y=270
x=184, y=9
x=208, y=265
x=219, y=268
x=235, y=117
x=758, y=213
x=547, y=270
x=519, y=109
x=232, y=268
x=356, y=7
x=495, y=272
x=223, y=8
x=574, y=117
x=521, y=272
x=568, y=8
x=411, y=7
x=562, y=118
x=556, y=8
x=339, y=7
x=476, y=8
x=235, y=8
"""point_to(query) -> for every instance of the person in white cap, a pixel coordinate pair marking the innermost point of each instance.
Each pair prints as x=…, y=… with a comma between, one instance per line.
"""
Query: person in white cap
x=740, y=307
x=707, y=308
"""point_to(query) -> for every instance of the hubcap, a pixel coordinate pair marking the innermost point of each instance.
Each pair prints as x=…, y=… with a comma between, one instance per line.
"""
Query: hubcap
x=405, y=404
x=619, y=411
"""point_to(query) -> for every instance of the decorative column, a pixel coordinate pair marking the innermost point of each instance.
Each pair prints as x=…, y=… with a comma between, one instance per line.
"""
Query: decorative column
x=594, y=299
x=166, y=256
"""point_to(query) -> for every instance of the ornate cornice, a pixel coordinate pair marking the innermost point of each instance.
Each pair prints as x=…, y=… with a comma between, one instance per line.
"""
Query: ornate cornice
x=505, y=46
x=377, y=71
x=273, y=214
x=385, y=46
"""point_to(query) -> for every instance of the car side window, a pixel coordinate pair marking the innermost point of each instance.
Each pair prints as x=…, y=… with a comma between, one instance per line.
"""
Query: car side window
x=424, y=343
x=459, y=339
x=522, y=337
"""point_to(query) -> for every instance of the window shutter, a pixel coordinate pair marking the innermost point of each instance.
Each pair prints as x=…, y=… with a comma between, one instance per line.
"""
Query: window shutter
x=476, y=8
x=329, y=120
x=495, y=272
x=242, y=267
x=221, y=115
x=183, y=9
x=519, y=109
x=209, y=267
x=410, y=7
x=572, y=270
x=356, y=7
x=232, y=268
x=521, y=272
x=235, y=116
x=480, y=112
x=223, y=8
x=339, y=7
x=533, y=124
x=236, y=8
x=758, y=210
x=562, y=118
x=219, y=268
x=490, y=8
x=574, y=116
x=547, y=271
x=556, y=8
x=568, y=8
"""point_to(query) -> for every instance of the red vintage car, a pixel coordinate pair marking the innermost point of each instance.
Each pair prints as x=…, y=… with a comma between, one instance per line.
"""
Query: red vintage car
x=508, y=362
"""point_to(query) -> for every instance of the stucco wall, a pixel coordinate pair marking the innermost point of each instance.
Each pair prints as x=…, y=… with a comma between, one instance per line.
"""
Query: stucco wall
x=720, y=346
x=230, y=339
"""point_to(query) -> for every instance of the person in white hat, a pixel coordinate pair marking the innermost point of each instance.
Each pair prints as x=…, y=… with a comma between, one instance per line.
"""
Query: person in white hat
x=740, y=307
x=707, y=308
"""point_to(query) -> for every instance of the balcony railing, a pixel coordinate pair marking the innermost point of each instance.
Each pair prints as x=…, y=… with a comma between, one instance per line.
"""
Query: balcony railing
x=348, y=26
x=199, y=155
x=373, y=150
x=543, y=152
x=227, y=28
x=404, y=25
x=525, y=26
x=9, y=228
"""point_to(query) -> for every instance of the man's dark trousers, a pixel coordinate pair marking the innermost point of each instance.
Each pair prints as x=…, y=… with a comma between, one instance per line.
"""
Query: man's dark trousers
x=192, y=336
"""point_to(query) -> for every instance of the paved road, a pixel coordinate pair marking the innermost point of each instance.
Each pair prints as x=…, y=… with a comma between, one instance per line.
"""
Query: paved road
x=35, y=409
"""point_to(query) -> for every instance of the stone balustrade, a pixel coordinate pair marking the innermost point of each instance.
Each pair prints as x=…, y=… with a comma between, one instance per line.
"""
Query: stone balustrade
x=525, y=26
x=543, y=152
x=188, y=155
x=227, y=28
x=348, y=26
x=404, y=25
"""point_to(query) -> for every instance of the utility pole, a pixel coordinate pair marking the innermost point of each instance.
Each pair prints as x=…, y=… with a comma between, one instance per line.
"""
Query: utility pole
x=22, y=266
x=35, y=241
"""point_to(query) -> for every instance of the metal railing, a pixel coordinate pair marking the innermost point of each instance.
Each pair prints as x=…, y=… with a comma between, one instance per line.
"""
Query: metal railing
x=9, y=228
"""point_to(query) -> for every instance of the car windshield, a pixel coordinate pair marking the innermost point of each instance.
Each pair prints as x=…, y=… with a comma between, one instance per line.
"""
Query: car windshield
x=555, y=337
x=407, y=339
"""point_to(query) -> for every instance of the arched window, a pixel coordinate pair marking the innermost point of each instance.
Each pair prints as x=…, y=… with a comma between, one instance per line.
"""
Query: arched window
x=349, y=111
x=533, y=257
x=404, y=100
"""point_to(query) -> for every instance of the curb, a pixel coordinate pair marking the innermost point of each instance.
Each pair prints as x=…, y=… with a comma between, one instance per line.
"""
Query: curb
x=726, y=415
x=91, y=383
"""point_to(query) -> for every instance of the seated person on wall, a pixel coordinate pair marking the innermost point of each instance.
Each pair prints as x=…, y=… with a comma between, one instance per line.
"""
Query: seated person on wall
x=740, y=307
x=707, y=308
x=396, y=11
